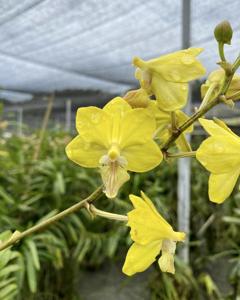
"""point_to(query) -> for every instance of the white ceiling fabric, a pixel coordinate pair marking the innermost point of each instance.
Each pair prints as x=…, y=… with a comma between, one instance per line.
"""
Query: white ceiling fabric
x=56, y=45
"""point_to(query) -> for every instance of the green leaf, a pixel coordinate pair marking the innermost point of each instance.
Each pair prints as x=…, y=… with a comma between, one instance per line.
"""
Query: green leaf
x=233, y=220
x=8, y=270
x=6, y=196
x=31, y=274
x=5, y=256
x=6, y=282
x=8, y=290
x=34, y=253
x=59, y=184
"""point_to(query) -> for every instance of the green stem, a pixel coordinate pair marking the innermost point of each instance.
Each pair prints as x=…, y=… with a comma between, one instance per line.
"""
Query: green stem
x=181, y=154
x=106, y=214
x=221, y=51
x=173, y=121
x=236, y=64
x=17, y=236
x=189, y=122
x=208, y=95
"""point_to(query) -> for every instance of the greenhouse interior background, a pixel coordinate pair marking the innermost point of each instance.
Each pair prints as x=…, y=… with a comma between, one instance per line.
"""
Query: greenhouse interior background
x=57, y=56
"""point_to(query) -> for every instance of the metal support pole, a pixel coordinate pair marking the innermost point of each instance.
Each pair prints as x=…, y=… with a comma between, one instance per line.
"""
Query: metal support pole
x=19, y=121
x=68, y=117
x=44, y=126
x=184, y=164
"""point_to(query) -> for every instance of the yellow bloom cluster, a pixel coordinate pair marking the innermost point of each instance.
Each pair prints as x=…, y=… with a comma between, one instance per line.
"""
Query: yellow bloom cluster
x=119, y=137
x=127, y=134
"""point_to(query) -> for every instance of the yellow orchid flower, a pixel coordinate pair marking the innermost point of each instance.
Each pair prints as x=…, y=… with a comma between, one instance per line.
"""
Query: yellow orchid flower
x=151, y=234
x=167, y=77
x=116, y=139
x=214, y=82
x=219, y=154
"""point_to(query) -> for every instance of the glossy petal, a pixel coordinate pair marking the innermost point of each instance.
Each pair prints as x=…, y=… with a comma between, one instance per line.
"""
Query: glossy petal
x=147, y=224
x=224, y=126
x=116, y=109
x=218, y=127
x=180, y=66
x=139, y=257
x=84, y=153
x=94, y=125
x=117, y=106
x=221, y=185
x=220, y=153
x=170, y=96
x=161, y=116
x=137, y=127
x=130, y=126
x=142, y=158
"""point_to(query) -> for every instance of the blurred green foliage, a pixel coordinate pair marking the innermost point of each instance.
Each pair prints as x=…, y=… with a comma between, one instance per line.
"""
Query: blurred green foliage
x=45, y=265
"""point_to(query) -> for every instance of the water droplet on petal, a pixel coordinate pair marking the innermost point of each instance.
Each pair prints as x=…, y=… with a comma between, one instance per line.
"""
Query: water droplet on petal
x=175, y=75
x=95, y=118
x=86, y=146
x=187, y=59
x=183, y=87
x=218, y=149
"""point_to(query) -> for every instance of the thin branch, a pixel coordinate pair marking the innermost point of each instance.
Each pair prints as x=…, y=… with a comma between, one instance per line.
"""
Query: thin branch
x=206, y=225
x=181, y=154
x=208, y=95
x=17, y=236
x=173, y=121
x=236, y=64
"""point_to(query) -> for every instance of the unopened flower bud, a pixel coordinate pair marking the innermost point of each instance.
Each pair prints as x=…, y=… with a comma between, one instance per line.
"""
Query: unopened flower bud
x=223, y=32
x=137, y=98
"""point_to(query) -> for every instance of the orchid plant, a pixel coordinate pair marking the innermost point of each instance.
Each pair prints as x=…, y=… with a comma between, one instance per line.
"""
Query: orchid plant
x=136, y=132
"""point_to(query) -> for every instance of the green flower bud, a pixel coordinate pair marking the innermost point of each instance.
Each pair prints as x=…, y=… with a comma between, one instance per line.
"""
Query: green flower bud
x=223, y=32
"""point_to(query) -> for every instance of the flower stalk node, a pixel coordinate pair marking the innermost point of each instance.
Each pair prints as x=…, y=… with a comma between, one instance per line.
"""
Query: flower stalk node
x=223, y=98
x=227, y=67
